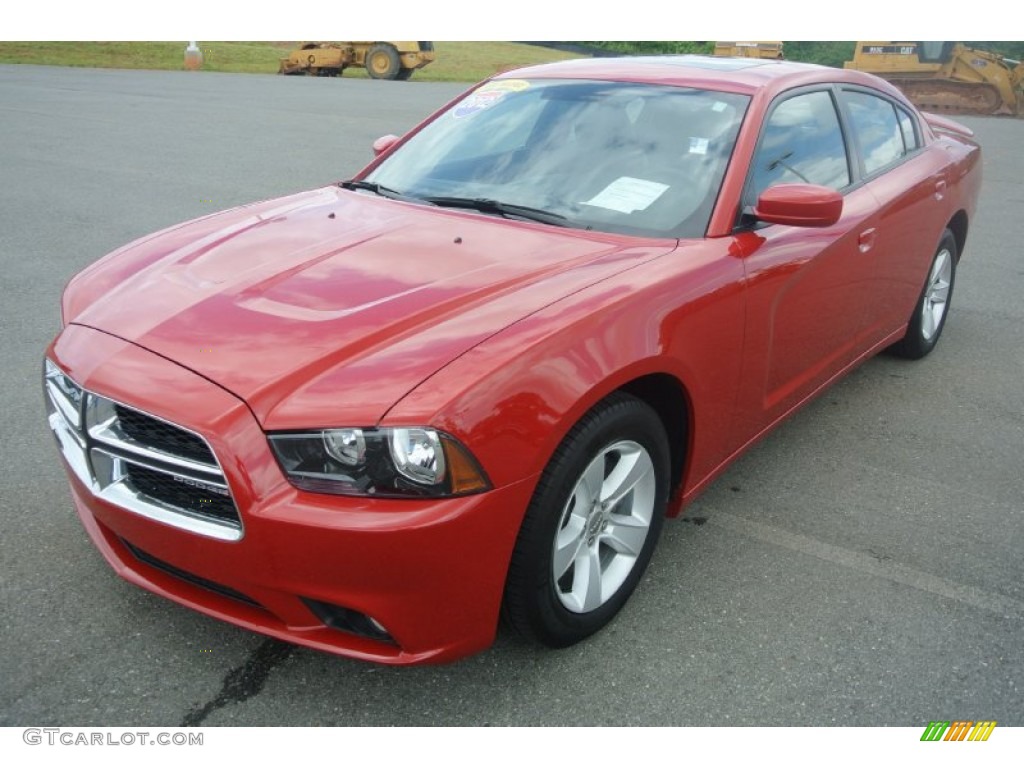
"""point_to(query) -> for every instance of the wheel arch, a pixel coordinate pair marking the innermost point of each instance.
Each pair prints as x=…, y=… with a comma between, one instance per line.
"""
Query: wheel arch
x=652, y=381
x=958, y=226
x=669, y=398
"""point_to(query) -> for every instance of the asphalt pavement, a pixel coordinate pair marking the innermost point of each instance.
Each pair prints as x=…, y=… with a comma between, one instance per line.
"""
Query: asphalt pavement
x=862, y=566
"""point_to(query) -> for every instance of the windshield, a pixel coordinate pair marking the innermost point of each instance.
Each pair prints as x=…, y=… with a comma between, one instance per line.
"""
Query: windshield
x=617, y=157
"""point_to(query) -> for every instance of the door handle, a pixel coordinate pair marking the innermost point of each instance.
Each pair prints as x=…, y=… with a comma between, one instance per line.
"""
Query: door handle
x=940, y=189
x=866, y=240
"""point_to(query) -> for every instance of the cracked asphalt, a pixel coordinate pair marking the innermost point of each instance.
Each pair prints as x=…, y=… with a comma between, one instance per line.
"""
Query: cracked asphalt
x=861, y=566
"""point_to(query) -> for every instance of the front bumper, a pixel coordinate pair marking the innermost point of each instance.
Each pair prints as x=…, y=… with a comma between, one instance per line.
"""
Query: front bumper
x=430, y=572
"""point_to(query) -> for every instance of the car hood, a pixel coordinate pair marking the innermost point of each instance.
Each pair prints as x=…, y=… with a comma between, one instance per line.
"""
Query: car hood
x=326, y=307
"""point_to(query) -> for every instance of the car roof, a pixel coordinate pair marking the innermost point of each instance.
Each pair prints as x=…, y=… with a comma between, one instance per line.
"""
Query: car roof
x=738, y=75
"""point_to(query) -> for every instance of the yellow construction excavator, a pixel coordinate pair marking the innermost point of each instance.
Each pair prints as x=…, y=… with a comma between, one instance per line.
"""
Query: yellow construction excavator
x=946, y=77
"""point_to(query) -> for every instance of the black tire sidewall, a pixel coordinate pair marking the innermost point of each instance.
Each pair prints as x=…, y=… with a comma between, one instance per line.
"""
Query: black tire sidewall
x=531, y=599
x=914, y=345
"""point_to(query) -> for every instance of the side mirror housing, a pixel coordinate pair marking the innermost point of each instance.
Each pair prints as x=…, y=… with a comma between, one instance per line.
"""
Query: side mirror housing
x=799, y=205
x=383, y=144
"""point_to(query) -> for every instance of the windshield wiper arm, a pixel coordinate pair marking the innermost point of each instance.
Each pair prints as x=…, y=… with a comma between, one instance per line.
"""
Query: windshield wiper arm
x=486, y=205
x=377, y=189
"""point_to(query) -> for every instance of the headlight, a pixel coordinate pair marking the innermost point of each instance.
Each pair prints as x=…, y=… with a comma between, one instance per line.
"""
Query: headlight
x=399, y=461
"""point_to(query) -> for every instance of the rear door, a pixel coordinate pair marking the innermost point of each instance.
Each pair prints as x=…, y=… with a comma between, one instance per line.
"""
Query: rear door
x=909, y=182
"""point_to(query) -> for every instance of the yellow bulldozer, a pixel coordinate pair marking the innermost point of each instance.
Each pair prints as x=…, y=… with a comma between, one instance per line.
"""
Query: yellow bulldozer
x=382, y=60
x=946, y=77
x=752, y=50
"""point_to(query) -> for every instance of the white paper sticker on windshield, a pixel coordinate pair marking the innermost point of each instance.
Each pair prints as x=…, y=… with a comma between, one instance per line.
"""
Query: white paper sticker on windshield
x=627, y=194
x=719, y=106
x=698, y=146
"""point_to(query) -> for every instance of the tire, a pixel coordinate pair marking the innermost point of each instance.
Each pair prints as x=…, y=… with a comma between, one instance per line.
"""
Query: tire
x=592, y=524
x=404, y=73
x=383, y=62
x=932, y=308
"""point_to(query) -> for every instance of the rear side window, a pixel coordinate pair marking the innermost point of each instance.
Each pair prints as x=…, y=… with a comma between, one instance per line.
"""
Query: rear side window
x=801, y=142
x=910, y=142
x=877, y=131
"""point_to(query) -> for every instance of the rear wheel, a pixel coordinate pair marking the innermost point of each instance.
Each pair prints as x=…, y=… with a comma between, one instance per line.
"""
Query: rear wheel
x=383, y=62
x=929, y=317
x=592, y=525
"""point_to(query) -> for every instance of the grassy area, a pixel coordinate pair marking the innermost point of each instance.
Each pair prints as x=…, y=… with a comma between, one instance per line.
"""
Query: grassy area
x=456, y=61
x=470, y=62
x=218, y=57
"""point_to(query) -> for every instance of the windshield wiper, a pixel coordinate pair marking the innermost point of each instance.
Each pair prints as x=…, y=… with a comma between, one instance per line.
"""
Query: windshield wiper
x=377, y=189
x=486, y=205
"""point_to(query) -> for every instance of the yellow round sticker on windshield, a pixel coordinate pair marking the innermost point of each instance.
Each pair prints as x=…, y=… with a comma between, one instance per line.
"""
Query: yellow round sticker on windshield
x=504, y=85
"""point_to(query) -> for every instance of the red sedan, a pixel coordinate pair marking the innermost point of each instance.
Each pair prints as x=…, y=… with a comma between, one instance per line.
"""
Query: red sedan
x=473, y=381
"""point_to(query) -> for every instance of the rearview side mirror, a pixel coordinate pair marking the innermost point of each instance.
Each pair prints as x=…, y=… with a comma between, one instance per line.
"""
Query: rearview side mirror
x=383, y=144
x=799, y=205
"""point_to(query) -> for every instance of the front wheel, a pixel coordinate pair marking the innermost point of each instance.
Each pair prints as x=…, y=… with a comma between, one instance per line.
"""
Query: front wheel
x=929, y=316
x=592, y=525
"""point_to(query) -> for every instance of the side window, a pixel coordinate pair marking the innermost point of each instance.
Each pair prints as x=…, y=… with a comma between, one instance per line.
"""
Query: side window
x=801, y=142
x=877, y=131
x=907, y=126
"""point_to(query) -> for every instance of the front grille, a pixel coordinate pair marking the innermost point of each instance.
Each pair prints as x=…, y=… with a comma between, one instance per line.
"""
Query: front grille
x=191, y=578
x=181, y=492
x=140, y=462
x=162, y=436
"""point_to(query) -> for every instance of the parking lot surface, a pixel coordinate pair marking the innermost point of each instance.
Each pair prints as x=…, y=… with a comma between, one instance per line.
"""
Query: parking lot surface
x=861, y=566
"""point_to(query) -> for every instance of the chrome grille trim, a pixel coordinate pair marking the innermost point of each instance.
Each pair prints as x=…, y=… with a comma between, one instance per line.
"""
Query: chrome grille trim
x=100, y=454
x=55, y=391
x=117, y=443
